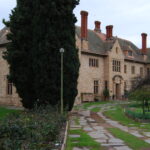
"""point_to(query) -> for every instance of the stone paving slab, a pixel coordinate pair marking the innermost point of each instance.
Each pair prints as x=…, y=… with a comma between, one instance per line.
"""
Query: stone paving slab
x=101, y=140
x=91, y=120
x=85, y=113
x=75, y=126
x=94, y=124
x=74, y=136
x=97, y=135
x=113, y=144
x=87, y=129
x=98, y=127
x=146, y=134
x=113, y=140
x=84, y=148
x=122, y=148
x=137, y=134
x=147, y=140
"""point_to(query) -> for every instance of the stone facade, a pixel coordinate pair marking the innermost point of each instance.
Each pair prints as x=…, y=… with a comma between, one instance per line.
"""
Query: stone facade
x=107, y=62
x=7, y=97
x=133, y=63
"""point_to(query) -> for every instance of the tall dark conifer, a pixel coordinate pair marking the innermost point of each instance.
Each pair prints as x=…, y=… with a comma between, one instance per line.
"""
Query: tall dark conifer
x=39, y=28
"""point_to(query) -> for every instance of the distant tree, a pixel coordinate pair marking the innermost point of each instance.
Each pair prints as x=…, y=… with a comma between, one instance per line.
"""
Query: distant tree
x=140, y=92
x=38, y=29
x=138, y=82
x=142, y=96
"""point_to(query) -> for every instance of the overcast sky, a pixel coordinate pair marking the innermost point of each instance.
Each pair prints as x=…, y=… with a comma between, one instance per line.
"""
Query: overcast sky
x=129, y=17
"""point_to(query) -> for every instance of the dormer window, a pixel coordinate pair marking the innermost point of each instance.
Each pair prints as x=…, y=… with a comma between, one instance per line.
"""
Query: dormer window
x=130, y=53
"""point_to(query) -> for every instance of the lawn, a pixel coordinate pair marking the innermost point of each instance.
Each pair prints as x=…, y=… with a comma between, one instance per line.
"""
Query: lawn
x=119, y=115
x=132, y=141
x=86, y=105
x=96, y=109
x=83, y=141
x=5, y=111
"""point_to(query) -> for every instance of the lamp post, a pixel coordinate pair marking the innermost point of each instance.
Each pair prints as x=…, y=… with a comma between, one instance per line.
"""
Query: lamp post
x=61, y=94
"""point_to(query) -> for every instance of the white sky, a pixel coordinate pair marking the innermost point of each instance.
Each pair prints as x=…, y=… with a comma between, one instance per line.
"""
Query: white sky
x=129, y=17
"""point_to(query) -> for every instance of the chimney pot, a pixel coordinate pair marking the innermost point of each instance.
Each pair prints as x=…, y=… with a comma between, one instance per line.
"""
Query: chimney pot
x=144, y=43
x=84, y=28
x=97, y=26
x=109, y=31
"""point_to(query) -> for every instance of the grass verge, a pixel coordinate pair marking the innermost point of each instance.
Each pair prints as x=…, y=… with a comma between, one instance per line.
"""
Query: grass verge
x=96, y=109
x=132, y=141
x=83, y=141
x=86, y=105
x=119, y=115
x=4, y=112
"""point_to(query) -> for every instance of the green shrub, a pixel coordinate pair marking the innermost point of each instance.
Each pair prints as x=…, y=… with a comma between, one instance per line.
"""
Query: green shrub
x=31, y=130
x=135, y=105
x=137, y=115
x=106, y=93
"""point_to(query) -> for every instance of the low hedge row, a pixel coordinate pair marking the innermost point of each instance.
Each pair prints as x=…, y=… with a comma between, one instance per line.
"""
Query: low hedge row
x=31, y=130
x=136, y=115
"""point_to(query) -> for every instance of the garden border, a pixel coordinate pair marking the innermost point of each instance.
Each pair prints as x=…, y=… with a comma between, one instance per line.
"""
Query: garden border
x=137, y=119
x=65, y=137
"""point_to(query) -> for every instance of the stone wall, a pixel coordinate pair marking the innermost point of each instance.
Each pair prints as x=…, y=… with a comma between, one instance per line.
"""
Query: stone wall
x=6, y=99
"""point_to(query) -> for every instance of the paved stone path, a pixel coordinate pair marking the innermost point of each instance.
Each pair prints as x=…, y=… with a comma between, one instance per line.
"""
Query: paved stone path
x=132, y=130
x=98, y=131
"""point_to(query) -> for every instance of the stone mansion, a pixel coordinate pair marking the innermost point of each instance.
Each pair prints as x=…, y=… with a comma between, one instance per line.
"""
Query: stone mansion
x=106, y=62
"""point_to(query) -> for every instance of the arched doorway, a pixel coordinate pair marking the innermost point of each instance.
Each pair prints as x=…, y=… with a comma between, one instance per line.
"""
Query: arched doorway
x=117, y=87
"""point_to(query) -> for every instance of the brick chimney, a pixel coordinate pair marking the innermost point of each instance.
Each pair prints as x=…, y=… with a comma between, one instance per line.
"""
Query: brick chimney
x=109, y=31
x=97, y=26
x=144, y=43
x=84, y=25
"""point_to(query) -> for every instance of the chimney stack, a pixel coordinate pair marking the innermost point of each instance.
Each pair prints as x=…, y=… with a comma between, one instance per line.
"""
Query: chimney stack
x=84, y=25
x=144, y=43
x=97, y=26
x=109, y=32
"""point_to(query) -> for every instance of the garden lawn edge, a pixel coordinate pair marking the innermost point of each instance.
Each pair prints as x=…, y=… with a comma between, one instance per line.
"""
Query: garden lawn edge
x=65, y=137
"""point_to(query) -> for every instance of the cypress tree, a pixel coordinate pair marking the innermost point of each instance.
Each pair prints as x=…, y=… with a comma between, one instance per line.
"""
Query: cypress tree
x=38, y=30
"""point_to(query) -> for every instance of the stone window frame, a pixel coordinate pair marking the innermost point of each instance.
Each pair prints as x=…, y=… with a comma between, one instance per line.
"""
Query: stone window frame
x=141, y=71
x=93, y=62
x=116, y=65
x=9, y=87
x=125, y=68
x=96, y=86
x=133, y=69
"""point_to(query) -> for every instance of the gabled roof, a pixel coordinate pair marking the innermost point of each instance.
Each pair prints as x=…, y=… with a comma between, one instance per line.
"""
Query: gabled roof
x=95, y=43
x=99, y=44
x=148, y=55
